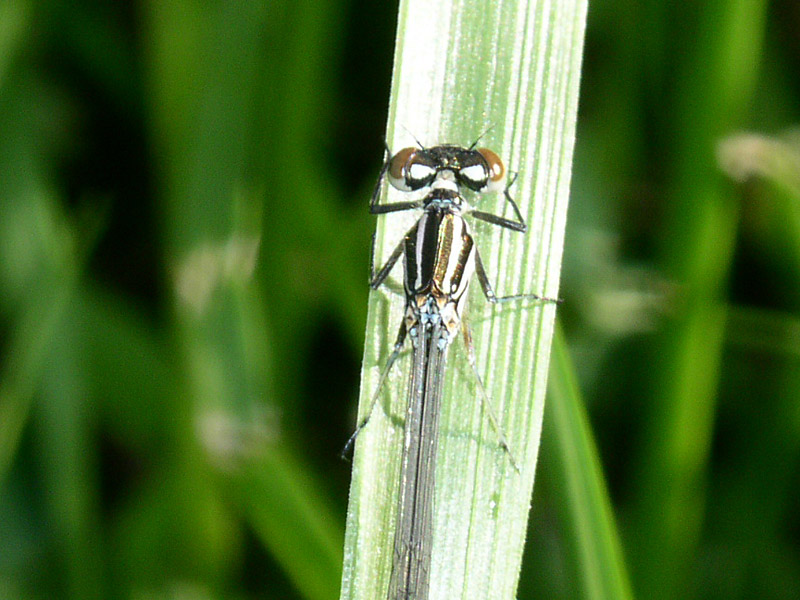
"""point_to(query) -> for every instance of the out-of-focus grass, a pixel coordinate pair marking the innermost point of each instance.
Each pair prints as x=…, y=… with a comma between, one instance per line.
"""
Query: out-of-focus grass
x=714, y=84
x=596, y=546
x=183, y=256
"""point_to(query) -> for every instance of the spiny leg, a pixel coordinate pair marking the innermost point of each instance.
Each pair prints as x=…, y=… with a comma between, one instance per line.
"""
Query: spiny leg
x=510, y=200
x=480, y=271
x=398, y=346
x=380, y=209
x=517, y=224
x=485, y=400
x=377, y=279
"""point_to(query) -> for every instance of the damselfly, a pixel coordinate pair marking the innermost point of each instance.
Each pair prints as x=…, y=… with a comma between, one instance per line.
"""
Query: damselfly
x=440, y=258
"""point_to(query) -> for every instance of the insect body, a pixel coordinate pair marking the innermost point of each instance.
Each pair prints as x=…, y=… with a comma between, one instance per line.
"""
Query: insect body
x=440, y=258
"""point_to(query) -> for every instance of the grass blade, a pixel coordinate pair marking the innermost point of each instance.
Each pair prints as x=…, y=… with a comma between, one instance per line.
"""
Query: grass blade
x=597, y=547
x=462, y=67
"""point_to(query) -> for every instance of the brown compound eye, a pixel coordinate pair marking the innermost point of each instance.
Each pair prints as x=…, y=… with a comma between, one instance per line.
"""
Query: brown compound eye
x=397, y=167
x=497, y=170
x=409, y=170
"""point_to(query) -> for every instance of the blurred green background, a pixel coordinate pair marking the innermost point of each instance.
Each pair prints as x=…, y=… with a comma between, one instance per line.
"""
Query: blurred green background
x=184, y=245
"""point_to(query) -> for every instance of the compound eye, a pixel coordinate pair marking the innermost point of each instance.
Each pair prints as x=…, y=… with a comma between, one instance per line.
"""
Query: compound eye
x=474, y=176
x=398, y=166
x=408, y=170
x=497, y=171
